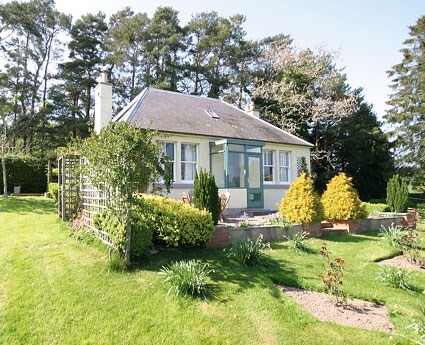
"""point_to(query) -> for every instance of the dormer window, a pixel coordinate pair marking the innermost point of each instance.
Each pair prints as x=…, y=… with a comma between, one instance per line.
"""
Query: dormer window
x=212, y=114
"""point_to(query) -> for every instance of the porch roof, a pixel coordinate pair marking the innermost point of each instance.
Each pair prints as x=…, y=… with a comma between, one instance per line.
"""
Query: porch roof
x=174, y=112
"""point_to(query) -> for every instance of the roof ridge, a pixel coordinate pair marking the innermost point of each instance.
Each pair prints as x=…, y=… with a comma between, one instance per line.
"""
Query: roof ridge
x=185, y=94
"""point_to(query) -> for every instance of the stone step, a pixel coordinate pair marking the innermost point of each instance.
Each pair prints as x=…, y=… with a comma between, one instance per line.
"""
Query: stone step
x=257, y=212
x=325, y=224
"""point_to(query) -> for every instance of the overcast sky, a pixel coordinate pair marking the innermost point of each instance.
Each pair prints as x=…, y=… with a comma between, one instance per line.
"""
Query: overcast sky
x=368, y=34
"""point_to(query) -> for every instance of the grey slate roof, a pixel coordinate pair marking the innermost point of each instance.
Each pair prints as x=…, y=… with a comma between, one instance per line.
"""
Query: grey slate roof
x=174, y=112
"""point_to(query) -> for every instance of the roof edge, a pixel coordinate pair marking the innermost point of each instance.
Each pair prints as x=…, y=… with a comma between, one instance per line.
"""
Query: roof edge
x=306, y=143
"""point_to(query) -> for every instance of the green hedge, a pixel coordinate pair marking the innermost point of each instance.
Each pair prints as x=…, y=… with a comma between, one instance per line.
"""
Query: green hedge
x=28, y=172
x=372, y=207
x=173, y=222
x=53, y=191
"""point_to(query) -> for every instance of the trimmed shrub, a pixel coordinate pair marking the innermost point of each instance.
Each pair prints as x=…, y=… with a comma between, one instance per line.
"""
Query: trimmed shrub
x=370, y=208
x=205, y=194
x=28, y=172
x=141, y=235
x=341, y=200
x=301, y=203
x=173, y=222
x=53, y=191
x=397, y=194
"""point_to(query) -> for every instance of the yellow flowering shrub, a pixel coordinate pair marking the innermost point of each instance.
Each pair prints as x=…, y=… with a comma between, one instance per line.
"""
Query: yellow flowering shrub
x=341, y=200
x=301, y=203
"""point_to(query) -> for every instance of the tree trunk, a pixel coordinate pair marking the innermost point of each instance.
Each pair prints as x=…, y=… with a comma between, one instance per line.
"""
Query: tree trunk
x=3, y=166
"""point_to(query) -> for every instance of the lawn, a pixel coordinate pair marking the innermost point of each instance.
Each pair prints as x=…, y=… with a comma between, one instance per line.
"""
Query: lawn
x=55, y=290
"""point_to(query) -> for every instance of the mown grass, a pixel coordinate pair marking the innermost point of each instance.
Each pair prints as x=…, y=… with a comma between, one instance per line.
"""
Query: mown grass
x=55, y=290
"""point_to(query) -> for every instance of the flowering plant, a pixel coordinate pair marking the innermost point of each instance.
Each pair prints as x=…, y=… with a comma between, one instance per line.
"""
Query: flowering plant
x=333, y=276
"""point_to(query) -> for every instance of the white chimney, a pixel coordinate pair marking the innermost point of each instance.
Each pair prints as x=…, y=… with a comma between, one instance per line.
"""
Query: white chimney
x=102, y=103
x=250, y=109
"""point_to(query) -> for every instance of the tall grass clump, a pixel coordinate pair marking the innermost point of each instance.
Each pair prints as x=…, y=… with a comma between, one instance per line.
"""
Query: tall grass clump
x=187, y=278
x=395, y=277
x=249, y=253
x=392, y=235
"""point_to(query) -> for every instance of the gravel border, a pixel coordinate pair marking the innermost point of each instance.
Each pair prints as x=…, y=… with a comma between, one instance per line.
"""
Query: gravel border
x=357, y=313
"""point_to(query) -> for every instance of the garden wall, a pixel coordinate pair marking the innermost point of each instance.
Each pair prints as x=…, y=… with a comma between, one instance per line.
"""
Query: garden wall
x=224, y=236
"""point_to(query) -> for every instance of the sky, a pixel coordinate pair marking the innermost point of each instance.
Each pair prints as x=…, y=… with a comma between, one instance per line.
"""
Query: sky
x=366, y=34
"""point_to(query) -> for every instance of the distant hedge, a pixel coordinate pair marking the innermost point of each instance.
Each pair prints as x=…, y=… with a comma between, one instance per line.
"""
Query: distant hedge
x=28, y=172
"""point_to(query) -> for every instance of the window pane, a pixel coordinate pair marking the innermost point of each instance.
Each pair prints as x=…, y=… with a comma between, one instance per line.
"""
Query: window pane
x=188, y=171
x=254, y=172
x=284, y=175
x=189, y=162
x=268, y=174
x=169, y=149
x=236, y=169
x=255, y=149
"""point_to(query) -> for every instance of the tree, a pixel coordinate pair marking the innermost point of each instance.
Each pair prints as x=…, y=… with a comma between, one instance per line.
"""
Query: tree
x=301, y=91
x=205, y=194
x=359, y=148
x=79, y=74
x=397, y=194
x=122, y=160
x=164, y=47
x=407, y=113
x=126, y=44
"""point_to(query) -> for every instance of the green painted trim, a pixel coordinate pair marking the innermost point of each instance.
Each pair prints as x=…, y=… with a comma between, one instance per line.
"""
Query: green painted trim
x=238, y=142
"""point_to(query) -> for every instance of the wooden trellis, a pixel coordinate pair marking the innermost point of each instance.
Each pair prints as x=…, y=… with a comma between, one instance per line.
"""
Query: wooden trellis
x=68, y=191
x=78, y=197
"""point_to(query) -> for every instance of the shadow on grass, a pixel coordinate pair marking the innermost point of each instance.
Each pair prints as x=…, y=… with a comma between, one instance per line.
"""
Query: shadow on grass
x=225, y=270
x=26, y=205
x=366, y=236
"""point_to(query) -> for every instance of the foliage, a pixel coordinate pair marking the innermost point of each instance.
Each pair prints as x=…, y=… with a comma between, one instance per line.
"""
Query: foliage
x=173, y=222
x=410, y=245
x=406, y=115
x=392, y=235
x=298, y=240
x=277, y=219
x=53, y=191
x=370, y=208
x=26, y=171
x=301, y=203
x=418, y=325
x=244, y=223
x=188, y=278
x=344, y=139
x=141, y=235
x=397, y=194
x=341, y=201
x=205, y=194
x=333, y=275
x=122, y=160
x=249, y=253
x=394, y=276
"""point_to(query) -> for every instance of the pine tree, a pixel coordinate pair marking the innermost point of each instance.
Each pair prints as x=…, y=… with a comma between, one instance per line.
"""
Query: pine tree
x=205, y=194
x=407, y=112
x=397, y=194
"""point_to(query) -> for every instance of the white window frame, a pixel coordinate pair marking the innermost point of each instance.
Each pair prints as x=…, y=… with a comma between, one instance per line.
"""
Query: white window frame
x=272, y=165
x=189, y=162
x=162, y=145
x=285, y=167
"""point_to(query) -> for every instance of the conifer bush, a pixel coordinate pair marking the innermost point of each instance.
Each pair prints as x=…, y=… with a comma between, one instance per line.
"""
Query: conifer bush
x=205, y=194
x=397, y=194
x=301, y=203
x=341, y=200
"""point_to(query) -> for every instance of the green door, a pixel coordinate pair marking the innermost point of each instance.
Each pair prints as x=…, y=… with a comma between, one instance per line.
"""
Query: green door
x=254, y=180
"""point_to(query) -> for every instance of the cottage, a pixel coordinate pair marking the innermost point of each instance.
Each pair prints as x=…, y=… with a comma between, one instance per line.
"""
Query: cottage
x=251, y=159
